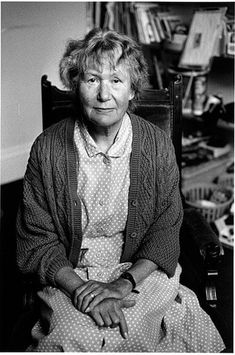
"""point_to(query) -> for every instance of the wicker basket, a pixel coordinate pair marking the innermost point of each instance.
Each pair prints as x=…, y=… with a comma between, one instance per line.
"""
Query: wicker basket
x=202, y=191
x=226, y=180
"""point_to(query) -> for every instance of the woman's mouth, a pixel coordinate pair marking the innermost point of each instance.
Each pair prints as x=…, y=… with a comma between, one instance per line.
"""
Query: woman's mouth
x=104, y=109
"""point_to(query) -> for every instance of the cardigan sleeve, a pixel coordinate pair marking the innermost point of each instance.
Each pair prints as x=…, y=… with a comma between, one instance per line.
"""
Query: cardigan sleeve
x=161, y=242
x=40, y=252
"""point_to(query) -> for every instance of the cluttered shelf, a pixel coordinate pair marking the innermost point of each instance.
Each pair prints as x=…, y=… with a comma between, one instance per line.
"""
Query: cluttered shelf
x=208, y=171
x=207, y=147
x=193, y=33
x=208, y=127
x=155, y=22
x=196, y=40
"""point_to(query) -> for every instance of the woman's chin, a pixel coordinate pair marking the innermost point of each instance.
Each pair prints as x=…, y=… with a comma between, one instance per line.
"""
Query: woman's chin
x=105, y=123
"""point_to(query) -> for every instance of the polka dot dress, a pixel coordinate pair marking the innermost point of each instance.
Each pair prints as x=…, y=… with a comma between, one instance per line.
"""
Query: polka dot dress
x=167, y=316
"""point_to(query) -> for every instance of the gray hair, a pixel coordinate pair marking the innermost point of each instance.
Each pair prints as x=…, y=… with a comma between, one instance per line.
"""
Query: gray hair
x=96, y=43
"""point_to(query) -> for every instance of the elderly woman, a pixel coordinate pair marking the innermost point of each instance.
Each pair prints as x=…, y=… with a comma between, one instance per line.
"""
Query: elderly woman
x=98, y=227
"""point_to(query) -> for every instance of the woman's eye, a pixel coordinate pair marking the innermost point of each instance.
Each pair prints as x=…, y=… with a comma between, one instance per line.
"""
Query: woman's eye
x=91, y=80
x=116, y=80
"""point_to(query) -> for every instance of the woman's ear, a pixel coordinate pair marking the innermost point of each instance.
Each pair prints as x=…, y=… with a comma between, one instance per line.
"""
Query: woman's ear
x=131, y=95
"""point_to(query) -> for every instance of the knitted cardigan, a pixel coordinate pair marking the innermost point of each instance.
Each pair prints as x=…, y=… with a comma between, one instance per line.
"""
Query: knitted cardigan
x=49, y=234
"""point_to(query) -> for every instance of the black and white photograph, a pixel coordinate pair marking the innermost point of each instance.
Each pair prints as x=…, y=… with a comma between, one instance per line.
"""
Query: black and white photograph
x=117, y=177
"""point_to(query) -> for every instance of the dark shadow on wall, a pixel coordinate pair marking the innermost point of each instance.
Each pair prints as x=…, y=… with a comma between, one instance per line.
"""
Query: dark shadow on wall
x=10, y=289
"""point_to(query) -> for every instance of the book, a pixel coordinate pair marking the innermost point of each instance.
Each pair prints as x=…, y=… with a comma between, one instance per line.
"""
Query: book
x=139, y=27
x=166, y=28
x=109, y=16
x=159, y=27
x=173, y=21
x=166, y=23
x=127, y=21
x=151, y=16
x=205, y=29
x=157, y=72
x=144, y=26
x=162, y=23
x=90, y=15
x=97, y=14
x=133, y=25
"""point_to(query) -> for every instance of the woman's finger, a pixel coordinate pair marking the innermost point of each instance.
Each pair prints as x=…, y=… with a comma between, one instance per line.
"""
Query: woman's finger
x=106, y=318
x=85, y=297
x=100, y=296
x=88, y=299
x=97, y=318
x=115, y=317
x=78, y=291
x=81, y=292
x=95, y=301
x=123, y=325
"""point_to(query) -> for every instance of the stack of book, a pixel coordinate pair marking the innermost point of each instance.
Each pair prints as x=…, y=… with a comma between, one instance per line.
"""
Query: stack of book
x=147, y=22
x=155, y=23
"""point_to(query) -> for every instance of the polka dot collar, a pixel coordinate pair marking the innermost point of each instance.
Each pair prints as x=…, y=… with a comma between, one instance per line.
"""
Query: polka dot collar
x=119, y=145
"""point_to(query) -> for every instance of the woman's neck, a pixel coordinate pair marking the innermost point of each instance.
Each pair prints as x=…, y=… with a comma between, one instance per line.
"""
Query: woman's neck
x=104, y=137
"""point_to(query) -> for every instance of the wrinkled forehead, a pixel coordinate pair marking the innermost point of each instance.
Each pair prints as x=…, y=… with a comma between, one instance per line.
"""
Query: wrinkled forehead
x=112, y=59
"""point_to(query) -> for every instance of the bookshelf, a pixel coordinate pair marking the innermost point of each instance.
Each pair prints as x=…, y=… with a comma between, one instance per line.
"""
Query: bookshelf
x=178, y=30
x=194, y=39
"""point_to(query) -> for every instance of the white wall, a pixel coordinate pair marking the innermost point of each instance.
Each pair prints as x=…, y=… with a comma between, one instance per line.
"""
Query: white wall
x=33, y=40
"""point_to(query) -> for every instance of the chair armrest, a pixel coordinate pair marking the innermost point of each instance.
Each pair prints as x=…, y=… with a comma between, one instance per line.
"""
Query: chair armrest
x=199, y=229
x=27, y=316
x=29, y=289
x=29, y=299
x=209, y=246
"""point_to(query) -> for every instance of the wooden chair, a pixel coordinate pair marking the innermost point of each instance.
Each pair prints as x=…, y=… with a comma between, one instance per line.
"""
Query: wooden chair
x=164, y=108
x=161, y=107
x=200, y=247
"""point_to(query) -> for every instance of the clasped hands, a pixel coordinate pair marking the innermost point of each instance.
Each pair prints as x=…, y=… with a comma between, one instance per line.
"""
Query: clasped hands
x=104, y=302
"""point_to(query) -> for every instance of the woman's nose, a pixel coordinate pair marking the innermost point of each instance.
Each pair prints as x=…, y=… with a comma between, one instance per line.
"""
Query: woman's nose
x=104, y=92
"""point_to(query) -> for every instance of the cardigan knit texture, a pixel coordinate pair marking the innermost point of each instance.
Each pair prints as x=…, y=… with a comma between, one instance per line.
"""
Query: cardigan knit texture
x=49, y=232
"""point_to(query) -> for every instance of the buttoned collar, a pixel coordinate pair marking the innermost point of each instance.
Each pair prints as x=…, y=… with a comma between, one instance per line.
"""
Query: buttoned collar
x=119, y=146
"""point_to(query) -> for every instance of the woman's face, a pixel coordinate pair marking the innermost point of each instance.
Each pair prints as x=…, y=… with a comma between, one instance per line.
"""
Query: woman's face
x=105, y=93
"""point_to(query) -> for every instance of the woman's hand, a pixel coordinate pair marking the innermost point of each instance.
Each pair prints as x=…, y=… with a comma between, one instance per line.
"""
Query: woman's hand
x=108, y=313
x=91, y=293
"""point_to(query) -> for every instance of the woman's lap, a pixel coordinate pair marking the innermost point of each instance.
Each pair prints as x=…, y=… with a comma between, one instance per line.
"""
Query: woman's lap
x=166, y=317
